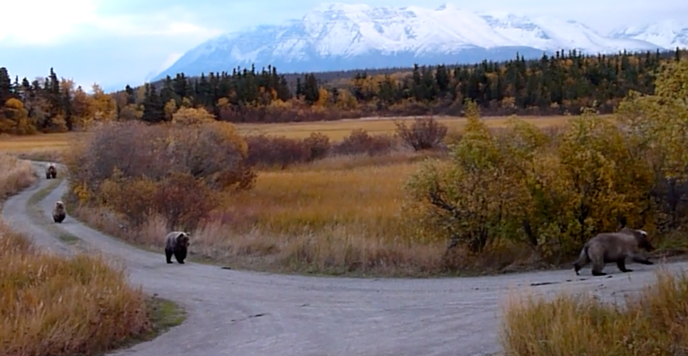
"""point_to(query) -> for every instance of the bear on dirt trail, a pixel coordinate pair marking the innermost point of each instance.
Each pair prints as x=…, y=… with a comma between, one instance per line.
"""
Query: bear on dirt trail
x=614, y=247
x=59, y=212
x=50, y=171
x=176, y=243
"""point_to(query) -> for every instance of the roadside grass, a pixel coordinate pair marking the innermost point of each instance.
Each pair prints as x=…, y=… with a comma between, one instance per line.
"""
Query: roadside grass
x=51, y=305
x=15, y=175
x=652, y=322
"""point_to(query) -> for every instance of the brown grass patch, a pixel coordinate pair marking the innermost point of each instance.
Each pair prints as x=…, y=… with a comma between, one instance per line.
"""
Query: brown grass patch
x=339, y=129
x=15, y=175
x=652, y=322
x=335, y=130
x=50, y=305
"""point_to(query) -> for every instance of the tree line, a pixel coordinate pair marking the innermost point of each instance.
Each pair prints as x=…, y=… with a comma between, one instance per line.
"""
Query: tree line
x=558, y=84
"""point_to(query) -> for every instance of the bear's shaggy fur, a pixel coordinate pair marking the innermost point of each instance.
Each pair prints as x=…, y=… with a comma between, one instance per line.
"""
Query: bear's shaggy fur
x=50, y=171
x=614, y=247
x=59, y=212
x=176, y=243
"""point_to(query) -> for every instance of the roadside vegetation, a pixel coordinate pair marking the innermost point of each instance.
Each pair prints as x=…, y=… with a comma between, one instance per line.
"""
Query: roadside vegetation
x=651, y=322
x=15, y=175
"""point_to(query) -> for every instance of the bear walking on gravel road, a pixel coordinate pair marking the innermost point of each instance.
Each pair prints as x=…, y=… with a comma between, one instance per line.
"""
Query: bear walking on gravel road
x=614, y=247
x=50, y=171
x=176, y=243
x=59, y=212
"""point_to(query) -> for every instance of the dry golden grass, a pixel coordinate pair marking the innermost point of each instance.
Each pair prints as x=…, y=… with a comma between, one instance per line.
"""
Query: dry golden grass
x=318, y=195
x=42, y=147
x=50, y=305
x=52, y=141
x=339, y=129
x=336, y=130
x=15, y=175
x=651, y=323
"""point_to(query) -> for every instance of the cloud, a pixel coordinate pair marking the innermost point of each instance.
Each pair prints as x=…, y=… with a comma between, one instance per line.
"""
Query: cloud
x=54, y=23
x=43, y=21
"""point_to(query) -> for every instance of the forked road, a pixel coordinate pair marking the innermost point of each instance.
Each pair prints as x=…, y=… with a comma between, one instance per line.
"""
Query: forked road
x=246, y=313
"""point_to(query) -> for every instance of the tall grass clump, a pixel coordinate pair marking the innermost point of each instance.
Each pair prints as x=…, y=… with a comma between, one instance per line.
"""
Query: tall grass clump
x=15, y=175
x=650, y=323
x=51, y=305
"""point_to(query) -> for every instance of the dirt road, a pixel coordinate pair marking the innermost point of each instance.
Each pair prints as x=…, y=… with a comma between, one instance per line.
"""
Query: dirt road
x=247, y=313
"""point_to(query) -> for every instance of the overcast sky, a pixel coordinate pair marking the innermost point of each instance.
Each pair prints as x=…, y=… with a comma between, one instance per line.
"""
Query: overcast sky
x=114, y=42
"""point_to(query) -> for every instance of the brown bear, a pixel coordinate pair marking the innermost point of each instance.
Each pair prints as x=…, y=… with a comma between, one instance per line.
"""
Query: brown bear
x=59, y=212
x=50, y=171
x=614, y=247
x=176, y=243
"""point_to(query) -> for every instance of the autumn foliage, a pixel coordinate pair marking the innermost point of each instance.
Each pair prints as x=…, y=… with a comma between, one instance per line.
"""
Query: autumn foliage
x=171, y=170
x=554, y=192
x=551, y=85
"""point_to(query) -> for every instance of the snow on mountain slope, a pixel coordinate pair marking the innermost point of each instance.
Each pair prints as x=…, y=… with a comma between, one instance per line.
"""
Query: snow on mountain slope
x=668, y=34
x=553, y=34
x=339, y=36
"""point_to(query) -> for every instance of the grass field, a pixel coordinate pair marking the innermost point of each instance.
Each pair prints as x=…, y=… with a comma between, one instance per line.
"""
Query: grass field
x=337, y=215
x=336, y=130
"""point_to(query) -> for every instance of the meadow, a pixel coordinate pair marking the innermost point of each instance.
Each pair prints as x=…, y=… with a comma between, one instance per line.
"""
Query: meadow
x=335, y=130
x=342, y=214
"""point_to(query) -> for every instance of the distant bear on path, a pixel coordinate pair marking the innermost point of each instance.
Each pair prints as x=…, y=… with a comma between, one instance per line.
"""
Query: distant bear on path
x=59, y=212
x=50, y=171
x=176, y=243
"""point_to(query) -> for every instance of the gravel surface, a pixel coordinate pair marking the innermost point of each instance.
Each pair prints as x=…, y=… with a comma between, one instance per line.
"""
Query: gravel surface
x=234, y=312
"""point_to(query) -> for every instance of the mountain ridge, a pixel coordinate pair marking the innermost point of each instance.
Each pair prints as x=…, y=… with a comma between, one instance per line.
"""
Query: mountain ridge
x=336, y=36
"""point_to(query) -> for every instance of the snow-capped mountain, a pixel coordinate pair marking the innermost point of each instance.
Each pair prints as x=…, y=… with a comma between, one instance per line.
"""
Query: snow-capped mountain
x=668, y=34
x=339, y=36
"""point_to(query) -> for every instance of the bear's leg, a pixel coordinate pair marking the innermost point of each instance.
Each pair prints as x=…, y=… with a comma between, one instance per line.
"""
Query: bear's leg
x=168, y=256
x=180, y=255
x=621, y=263
x=597, y=267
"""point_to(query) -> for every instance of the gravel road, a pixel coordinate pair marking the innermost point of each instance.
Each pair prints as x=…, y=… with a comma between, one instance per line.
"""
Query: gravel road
x=249, y=313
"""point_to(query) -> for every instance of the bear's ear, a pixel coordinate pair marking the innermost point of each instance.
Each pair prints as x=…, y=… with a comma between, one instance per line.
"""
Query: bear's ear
x=180, y=235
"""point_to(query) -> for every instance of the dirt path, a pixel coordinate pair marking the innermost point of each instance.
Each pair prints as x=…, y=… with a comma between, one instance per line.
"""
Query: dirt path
x=249, y=313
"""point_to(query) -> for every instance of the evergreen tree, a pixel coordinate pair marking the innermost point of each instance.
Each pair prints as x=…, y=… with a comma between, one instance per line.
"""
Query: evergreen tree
x=153, y=110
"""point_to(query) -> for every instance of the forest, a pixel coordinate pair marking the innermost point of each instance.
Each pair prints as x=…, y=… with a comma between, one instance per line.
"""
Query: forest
x=552, y=85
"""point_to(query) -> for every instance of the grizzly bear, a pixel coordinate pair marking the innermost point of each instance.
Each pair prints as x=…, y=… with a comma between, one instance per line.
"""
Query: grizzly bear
x=50, y=171
x=59, y=212
x=614, y=247
x=176, y=243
